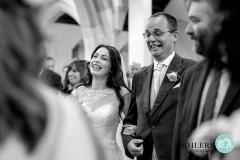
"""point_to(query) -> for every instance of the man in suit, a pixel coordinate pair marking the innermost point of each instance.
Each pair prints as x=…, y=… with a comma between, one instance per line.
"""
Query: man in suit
x=155, y=92
x=209, y=88
x=51, y=78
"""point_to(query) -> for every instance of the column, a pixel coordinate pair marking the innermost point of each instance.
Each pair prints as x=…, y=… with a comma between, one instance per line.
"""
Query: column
x=139, y=12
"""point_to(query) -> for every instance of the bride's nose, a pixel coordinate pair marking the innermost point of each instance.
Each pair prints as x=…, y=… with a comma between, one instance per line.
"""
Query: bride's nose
x=97, y=60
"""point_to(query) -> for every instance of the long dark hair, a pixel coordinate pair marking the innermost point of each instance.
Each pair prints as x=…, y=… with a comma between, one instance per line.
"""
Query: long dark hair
x=22, y=109
x=115, y=78
x=80, y=66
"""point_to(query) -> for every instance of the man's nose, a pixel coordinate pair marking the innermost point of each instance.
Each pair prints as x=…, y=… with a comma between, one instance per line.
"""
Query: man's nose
x=152, y=38
x=189, y=28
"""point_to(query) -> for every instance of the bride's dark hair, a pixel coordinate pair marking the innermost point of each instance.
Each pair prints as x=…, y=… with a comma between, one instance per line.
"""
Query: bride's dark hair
x=22, y=109
x=115, y=78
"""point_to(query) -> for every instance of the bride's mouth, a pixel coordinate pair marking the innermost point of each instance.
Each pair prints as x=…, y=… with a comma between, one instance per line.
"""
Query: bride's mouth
x=97, y=67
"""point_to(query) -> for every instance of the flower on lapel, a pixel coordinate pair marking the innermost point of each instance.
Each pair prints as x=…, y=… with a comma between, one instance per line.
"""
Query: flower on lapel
x=173, y=76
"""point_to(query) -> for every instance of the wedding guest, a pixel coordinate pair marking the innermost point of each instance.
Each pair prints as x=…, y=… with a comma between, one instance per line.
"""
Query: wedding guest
x=51, y=78
x=155, y=91
x=134, y=68
x=210, y=88
x=34, y=123
x=50, y=63
x=74, y=75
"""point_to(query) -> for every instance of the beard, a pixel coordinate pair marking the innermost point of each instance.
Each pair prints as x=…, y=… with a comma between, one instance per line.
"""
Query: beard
x=204, y=45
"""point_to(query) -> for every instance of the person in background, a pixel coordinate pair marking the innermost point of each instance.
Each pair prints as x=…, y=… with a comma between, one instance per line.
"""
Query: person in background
x=51, y=78
x=48, y=76
x=74, y=75
x=134, y=68
x=50, y=63
x=34, y=123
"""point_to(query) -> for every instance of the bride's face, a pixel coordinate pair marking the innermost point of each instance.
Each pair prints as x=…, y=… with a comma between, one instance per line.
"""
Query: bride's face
x=100, y=63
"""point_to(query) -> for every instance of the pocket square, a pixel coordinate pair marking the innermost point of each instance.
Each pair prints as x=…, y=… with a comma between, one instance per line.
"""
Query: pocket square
x=178, y=85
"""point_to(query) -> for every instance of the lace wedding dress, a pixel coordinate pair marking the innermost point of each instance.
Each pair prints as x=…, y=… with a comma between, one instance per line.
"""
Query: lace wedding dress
x=101, y=106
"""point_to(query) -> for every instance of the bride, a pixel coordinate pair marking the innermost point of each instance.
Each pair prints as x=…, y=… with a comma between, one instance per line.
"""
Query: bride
x=104, y=96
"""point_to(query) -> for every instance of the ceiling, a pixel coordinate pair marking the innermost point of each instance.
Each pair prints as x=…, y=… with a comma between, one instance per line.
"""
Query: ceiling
x=157, y=6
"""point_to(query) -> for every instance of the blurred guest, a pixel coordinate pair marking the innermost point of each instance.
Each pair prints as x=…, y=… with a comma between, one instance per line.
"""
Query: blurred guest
x=74, y=75
x=209, y=131
x=51, y=78
x=135, y=67
x=50, y=63
x=48, y=76
x=210, y=88
x=34, y=123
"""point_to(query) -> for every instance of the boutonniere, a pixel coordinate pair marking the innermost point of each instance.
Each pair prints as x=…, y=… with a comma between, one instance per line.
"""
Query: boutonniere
x=173, y=76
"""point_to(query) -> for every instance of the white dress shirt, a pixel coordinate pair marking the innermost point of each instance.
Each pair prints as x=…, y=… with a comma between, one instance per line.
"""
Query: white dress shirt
x=158, y=75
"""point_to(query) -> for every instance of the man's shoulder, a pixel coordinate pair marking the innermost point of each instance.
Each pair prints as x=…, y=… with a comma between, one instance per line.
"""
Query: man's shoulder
x=52, y=73
x=187, y=63
x=144, y=70
x=198, y=66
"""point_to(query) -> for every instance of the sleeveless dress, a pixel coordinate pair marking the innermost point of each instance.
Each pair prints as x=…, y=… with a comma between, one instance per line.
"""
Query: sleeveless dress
x=101, y=106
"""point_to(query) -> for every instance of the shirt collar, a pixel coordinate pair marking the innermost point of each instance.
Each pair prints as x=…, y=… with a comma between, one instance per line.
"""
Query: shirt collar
x=166, y=62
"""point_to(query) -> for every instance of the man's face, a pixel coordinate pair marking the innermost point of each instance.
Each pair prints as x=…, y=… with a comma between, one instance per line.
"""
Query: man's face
x=199, y=28
x=162, y=45
x=50, y=64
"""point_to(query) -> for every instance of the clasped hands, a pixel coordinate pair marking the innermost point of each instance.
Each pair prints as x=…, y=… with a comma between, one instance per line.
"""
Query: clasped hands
x=135, y=146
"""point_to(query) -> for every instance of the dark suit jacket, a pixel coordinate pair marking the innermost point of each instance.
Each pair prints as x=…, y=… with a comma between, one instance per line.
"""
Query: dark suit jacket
x=156, y=126
x=193, y=82
x=51, y=78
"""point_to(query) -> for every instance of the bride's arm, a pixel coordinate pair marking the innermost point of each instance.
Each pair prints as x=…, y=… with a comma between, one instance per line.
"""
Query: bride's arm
x=126, y=99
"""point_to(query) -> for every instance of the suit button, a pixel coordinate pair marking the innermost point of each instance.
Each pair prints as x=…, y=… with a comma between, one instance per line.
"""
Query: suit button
x=153, y=127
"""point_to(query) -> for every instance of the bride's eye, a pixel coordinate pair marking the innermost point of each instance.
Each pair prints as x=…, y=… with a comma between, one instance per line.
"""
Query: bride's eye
x=94, y=56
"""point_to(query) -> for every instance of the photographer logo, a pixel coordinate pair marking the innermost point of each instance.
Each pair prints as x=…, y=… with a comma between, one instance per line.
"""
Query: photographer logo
x=224, y=143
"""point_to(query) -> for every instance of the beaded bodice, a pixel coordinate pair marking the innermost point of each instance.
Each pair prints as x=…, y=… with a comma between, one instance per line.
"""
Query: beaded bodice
x=101, y=106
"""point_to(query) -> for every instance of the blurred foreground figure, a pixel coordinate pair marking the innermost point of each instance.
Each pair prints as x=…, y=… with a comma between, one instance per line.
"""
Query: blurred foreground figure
x=225, y=42
x=212, y=87
x=34, y=123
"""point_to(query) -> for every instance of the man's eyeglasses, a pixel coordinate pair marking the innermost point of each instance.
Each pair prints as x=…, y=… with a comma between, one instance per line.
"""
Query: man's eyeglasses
x=156, y=34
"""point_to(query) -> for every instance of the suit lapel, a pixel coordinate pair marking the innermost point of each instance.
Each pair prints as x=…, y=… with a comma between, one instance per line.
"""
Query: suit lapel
x=146, y=82
x=199, y=79
x=166, y=86
x=231, y=92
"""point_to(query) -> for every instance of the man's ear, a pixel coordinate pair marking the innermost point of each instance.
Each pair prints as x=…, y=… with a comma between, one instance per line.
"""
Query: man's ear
x=175, y=36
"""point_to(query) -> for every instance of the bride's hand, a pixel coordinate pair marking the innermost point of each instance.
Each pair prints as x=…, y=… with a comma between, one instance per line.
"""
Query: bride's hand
x=129, y=130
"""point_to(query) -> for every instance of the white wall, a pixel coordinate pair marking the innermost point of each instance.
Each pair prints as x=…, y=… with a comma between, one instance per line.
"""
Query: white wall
x=62, y=40
x=184, y=43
